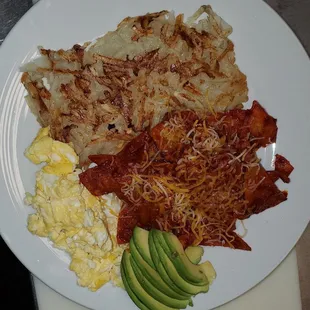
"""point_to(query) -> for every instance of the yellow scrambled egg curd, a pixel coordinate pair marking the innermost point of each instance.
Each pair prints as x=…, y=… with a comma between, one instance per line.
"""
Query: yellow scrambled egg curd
x=83, y=225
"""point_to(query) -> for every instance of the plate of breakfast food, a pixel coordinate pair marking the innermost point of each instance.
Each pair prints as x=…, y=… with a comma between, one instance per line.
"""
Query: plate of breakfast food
x=153, y=153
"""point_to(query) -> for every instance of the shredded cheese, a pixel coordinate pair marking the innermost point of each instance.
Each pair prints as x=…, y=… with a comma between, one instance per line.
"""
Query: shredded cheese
x=204, y=193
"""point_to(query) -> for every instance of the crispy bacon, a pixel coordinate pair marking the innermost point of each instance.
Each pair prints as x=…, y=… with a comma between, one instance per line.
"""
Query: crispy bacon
x=255, y=121
x=104, y=179
x=132, y=152
x=261, y=192
x=132, y=215
x=112, y=169
x=159, y=154
x=262, y=125
x=170, y=145
x=129, y=215
x=273, y=175
x=237, y=243
x=283, y=167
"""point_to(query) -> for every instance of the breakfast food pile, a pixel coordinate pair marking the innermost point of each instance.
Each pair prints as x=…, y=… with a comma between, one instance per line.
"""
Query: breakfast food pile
x=147, y=154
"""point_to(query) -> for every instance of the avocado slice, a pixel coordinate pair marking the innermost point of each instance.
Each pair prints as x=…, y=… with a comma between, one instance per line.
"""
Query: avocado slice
x=140, y=238
x=152, y=275
x=208, y=270
x=163, y=273
x=154, y=292
x=131, y=294
x=194, y=254
x=172, y=271
x=174, y=250
x=161, y=270
x=136, y=287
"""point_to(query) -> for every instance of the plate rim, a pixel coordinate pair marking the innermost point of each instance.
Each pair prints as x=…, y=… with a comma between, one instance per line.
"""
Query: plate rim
x=6, y=43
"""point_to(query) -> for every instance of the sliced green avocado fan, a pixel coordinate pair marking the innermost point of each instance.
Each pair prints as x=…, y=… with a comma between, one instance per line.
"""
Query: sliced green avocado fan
x=159, y=275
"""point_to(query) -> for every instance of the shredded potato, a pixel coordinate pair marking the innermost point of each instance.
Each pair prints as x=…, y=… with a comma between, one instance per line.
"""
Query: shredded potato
x=101, y=94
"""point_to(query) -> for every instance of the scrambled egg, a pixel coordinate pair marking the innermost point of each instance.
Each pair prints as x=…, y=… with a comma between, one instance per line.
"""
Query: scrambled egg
x=77, y=222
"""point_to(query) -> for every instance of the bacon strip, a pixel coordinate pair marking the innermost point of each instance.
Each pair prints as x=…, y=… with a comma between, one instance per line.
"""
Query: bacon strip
x=158, y=153
x=283, y=167
x=261, y=192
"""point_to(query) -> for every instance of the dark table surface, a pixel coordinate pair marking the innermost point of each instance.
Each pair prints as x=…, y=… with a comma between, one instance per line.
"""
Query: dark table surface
x=15, y=280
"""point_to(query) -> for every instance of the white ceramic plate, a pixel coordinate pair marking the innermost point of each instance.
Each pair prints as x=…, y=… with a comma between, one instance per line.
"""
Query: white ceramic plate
x=278, y=71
